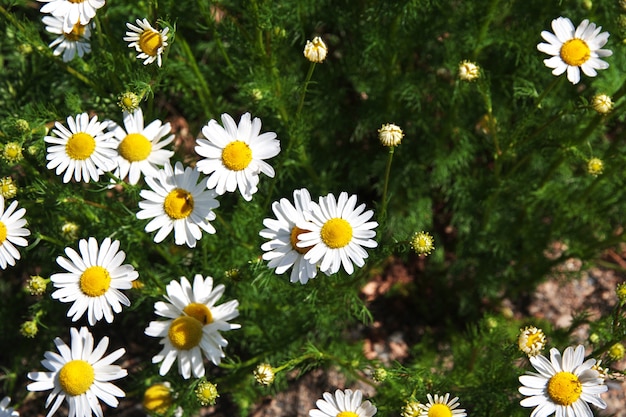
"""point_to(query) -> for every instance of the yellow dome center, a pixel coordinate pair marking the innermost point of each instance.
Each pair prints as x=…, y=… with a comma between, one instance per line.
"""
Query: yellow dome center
x=150, y=42
x=178, y=204
x=564, y=388
x=157, y=399
x=295, y=232
x=199, y=312
x=575, y=52
x=80, y=146
x=3, y=233
x=78, y=31
x=95, y=281
x=336, y=233
x=135, y=147
x=534, y=338
x=236, y=156
x=185, y=333
x=76, y=377
x=347, y=414
x=439, y=410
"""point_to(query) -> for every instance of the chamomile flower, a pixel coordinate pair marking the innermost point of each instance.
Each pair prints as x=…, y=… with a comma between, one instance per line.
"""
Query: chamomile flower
x=193, y=325
x=5, y=410
x=12, y=233
x=149, y=42
x=72, y=11
x=83, y=151
x=575, y=49
x=441, y=405
x=346, y=403
x=563, y=384
x=337, y=233
x=282, y=251
x=70, y=44
x=234, y=154
x=531, y=340
x=80, y=375
x=140, y=148
x=177, y=201
x=93, y=280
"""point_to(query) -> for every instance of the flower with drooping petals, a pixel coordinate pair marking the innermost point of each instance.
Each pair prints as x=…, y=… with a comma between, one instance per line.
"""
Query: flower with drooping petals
x=12, y=233
x=149, y=42
x=346, y=403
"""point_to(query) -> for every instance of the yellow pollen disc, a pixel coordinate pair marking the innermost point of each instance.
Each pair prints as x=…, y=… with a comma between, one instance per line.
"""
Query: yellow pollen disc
x=76, y=377
x=336, y=233
x=178, y=204
x=439, y=410
x=532, y=339
x=575, y=52
x=564, y=388
x=295, y=232
x=95, y=281
x=185, y=333
x=150, y=41
x=78, y=31
x=347, y=414
x=135, y=147
x=3, y=233
x=80, y=146
x=199, y=312
x=157, y=398
x=236, y=156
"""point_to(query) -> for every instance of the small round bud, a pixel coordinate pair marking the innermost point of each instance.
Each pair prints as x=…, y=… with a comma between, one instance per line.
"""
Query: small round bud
x=22, y=126
x=12, y=152
x=390, y=135
x=69, y=230
x=468, y=71
x=621, y=292
x=616, y=352
x=422, y=243
x=158, y=398
x=206, y=393
x=380, y=375
x=594, y=338
x=8, y=189
x=264, y=374
x=29, y=329
x=316, y=50
x=36, y=285
x=595, y=166
x=602, y=103
x=128, y=101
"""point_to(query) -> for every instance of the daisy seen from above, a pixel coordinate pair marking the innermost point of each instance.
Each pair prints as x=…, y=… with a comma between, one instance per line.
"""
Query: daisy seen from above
x=441, y=406
x=346, y=403
x=563, y=384
x=234, y=154
x=140, y=148
x=282, y=250
x=94, y=280
x=337, y=233
x=12, y=232
x=82, y=150
x=5, y=410
x=575, y=49
x=149, y=42
x=178, y=202
x=68, y=44
x=192, y=326
x=72, y=11
x=80, y=375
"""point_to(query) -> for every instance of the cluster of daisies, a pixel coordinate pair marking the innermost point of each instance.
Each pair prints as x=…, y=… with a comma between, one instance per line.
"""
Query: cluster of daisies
x=71, y=22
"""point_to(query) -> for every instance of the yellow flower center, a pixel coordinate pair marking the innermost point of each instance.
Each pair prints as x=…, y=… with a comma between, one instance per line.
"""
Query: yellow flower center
x=347, y=414
x=439, y=410
x=178, y=204
x=534, y=338
x=135, y=147
x=185, y=332
x=76, y=1
x=80, y=146
x=3, y=233
x=564, y=388
x=95, y=281
x=336, y=233
x=78, y=31
x=575, y=52
x=199, y=312
x=76, y=377
x=295, y=232
x=157, y=399
x=236, y=156
x=150, y=41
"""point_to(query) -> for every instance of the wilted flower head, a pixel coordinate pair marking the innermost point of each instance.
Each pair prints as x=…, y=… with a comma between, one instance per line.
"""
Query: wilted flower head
x=206, y=393
x=422, y=243
x=390, y=134
x=602, y=103
x=468, y=71
x=595, y=166
x=531, y=340
x=316, y=50
x=264, y=374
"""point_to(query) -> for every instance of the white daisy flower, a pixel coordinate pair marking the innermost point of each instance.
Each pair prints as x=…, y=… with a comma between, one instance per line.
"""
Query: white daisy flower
x=343, y=404
x=282, y=251
x=84, y=151
x=193, y=325
x=72, y=11
x=178, y=202
x=440, y=406
x=140, y=149
x=80, y=375
x=337, y=233
x=5, y=410
x=12, y=233
x=562, y=385
x=149, y=42
x=575, y=49
x=94, y=280
x=70, y=44
x=234, y=154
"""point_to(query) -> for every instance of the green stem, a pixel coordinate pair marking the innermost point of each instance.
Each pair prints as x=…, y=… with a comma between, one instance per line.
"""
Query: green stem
x=201, y=87
x=304, y=88
x=491, y=14
x=545, y=92
x=383, y=210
